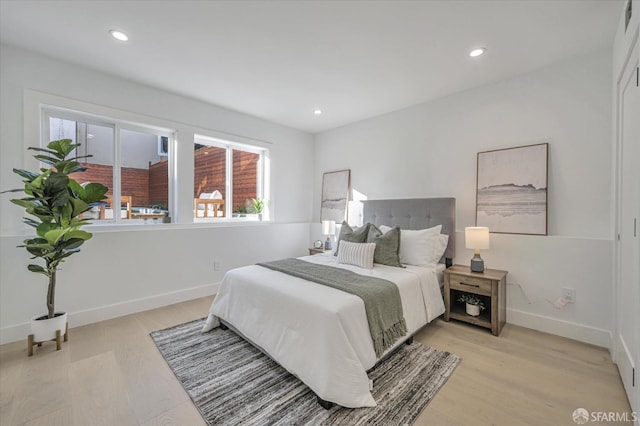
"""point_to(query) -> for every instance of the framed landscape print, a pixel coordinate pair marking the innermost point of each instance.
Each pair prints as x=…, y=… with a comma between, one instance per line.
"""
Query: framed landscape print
x=335, y=195
x=511, y=195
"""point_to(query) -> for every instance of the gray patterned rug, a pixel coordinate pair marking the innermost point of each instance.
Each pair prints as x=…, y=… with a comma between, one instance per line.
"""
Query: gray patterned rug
x=233, y=383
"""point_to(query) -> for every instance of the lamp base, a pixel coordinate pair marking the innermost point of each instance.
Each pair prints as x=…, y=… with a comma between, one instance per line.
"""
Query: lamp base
x=477, y=264
x=327, y=244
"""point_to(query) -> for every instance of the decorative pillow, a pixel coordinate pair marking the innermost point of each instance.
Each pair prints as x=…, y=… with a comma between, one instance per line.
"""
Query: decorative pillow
x=354, y=235
x=358, y=254
x=439, y=247
x=387, y=246
x=417, y=246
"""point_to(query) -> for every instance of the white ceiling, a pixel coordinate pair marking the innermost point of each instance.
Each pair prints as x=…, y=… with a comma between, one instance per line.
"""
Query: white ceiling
x=280, y=60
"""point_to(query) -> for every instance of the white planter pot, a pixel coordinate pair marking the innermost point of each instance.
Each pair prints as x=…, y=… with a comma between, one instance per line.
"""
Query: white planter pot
x=473, y=310
x=45, y=329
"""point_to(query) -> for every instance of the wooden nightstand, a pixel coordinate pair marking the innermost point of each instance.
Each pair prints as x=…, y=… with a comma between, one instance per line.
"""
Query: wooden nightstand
x=490, y=285
x=313, y=251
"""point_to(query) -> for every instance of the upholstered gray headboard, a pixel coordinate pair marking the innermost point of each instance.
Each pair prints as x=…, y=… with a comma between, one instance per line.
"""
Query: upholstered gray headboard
x=416, y=213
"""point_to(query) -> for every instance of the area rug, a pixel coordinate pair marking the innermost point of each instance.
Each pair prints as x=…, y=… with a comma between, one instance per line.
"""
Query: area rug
x=233, y=383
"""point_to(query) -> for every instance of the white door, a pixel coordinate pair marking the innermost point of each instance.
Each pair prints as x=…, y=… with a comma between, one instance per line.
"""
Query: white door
x=627, y=343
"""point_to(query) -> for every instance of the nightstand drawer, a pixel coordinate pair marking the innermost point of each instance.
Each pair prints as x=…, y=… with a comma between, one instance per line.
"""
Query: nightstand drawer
x=470, y=284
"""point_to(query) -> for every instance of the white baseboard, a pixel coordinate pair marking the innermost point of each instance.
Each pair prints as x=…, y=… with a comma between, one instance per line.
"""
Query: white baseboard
x=580, y=332
x=18, y=332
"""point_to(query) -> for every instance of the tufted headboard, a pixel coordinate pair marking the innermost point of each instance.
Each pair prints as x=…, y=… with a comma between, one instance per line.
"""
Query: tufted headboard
x=416, y=213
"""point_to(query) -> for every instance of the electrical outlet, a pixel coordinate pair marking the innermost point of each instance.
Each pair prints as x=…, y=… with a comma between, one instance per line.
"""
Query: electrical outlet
x=216, y=265
x=569, y=294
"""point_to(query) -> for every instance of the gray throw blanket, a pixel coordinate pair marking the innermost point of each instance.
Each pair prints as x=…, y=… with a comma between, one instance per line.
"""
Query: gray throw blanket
x=381, y=297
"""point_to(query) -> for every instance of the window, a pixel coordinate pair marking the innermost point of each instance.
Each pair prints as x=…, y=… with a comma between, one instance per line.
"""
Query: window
x=125, y=158
x=228, y=180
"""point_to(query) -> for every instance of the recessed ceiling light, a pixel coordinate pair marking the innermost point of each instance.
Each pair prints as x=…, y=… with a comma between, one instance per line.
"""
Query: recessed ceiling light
x=477, y=52
x=317, y=111
x=119, y=35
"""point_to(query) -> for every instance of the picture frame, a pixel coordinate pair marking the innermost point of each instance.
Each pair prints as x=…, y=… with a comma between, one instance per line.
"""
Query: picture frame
x=512, y=190
x=335, y=195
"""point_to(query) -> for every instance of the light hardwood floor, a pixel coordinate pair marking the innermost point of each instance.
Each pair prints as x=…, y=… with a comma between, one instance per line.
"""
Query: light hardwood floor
x=110, y=373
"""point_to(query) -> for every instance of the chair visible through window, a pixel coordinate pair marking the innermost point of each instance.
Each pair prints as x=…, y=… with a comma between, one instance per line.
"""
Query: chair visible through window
x=208, y=205
x=125, y=200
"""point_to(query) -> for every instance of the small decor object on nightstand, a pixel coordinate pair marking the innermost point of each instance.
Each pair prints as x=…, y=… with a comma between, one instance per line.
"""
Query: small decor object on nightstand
x=476, y=238
x=328, y=229
x=489, y=287
x=473, y=304
x=317, y=244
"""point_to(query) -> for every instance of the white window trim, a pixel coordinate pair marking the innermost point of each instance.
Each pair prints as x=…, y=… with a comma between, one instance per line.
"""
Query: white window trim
x=34, y=101
x=261, y=188
x=117, y=126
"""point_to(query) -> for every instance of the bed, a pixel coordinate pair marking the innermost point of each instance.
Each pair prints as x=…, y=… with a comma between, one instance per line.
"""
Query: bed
x=321, y=334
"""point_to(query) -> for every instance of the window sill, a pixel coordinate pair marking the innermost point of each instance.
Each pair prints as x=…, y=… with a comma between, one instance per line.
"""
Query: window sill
x=197, y=224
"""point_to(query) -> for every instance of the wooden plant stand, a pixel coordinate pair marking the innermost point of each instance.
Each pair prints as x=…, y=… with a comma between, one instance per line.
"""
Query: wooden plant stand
x=58, y=340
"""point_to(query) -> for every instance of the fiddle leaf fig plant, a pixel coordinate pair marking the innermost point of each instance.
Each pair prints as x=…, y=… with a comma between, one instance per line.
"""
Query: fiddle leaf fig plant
x=55, y=203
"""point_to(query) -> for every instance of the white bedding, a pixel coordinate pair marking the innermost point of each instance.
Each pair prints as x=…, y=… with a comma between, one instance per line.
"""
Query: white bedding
x=318, y=333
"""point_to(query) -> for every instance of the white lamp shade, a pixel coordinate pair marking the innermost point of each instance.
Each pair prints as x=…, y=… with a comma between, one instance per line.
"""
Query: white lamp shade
x=328, y=227
x=476, y=237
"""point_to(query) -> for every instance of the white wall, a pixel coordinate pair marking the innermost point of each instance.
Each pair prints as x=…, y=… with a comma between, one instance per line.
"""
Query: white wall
x=429, y=150
x=127, y=270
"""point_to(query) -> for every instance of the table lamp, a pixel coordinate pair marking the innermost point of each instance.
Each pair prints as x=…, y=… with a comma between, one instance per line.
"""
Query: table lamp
x=328, y=229
x=476, y=238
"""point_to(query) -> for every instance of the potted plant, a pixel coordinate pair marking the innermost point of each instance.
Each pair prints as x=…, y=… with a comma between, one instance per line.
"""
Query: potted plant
x=55, y=204
x=258, y=206
x=473, y=304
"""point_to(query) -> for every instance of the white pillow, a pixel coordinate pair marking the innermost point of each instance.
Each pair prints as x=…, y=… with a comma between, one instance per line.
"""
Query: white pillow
x=417, y=246
x=358, y=254
x=439, y=246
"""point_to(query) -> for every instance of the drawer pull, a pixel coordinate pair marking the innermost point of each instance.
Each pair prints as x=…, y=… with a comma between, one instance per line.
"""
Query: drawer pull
x=470, y=285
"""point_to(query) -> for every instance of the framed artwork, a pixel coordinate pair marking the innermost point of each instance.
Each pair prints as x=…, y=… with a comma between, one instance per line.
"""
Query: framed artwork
x=511, y=195
x=335, y=195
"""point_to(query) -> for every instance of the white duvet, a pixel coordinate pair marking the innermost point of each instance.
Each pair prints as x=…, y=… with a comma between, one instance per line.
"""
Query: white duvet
x=318, y=333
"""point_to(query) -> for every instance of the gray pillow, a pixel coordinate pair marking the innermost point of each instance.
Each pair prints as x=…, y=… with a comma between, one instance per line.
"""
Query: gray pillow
x=353, y=235
x=387, y=246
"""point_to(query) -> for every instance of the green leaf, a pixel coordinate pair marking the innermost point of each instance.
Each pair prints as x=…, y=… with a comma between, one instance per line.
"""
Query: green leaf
x=62, y=147
x=29, y=176
x=54, y=235
x=77, y=234
x=47, y=160
x=30, y=222
x=38, y=269
x=27, y=203
x=73, y=167
x=40, y=180
x=37, y=252
x=43, y=228
x=72, y=243
x=48, y=151
x=76, y=188
x=55, y=187
x=79, y=207
x=94, y=192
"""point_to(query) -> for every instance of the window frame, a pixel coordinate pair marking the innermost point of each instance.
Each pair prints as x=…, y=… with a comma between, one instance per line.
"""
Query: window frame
x=262, y=172
x=180, y=150
x=47, y=112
